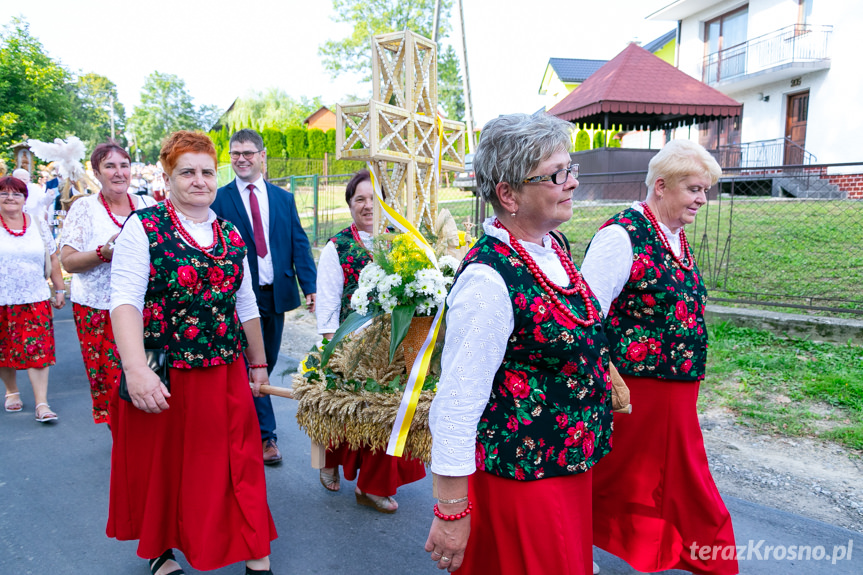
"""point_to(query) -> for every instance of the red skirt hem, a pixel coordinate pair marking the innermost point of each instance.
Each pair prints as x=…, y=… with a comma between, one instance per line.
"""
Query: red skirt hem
x=27, y=336
x=653, y=495
x=379, y=474
x=192, y=477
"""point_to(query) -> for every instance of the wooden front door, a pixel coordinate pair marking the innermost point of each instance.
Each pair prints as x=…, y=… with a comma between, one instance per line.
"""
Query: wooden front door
x=795, y=128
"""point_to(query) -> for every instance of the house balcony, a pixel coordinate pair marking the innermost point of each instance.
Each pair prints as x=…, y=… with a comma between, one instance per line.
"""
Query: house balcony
x=773, y=57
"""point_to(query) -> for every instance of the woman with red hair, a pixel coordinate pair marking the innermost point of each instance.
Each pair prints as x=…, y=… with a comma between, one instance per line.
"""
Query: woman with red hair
x=86, y=250
x=26, y=324
x=184, y=472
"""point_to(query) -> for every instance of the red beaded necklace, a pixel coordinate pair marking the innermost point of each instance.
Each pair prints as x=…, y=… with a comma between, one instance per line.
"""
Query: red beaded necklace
x=108, y=209
x=218, y=235
x=578, y=284
x=684, y=244
x=16, y=234
x=355, y=232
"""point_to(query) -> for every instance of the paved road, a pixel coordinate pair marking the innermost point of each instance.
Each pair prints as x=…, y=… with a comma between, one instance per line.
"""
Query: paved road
x=54, y=502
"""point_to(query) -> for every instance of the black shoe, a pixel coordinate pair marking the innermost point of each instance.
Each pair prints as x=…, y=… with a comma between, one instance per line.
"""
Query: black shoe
x=156, y=564
x=250, y=571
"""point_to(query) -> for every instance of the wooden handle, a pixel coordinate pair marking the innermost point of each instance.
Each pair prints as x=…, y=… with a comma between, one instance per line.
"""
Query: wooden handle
x=280, y=391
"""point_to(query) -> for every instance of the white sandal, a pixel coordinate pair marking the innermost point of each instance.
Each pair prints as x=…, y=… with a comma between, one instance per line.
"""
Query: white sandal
x=11, y=406
x=47, y=416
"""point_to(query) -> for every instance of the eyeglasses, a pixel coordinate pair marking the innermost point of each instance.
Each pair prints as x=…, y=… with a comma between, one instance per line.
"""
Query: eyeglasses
x=561, y=175
x=11, y=195
x=246, y=155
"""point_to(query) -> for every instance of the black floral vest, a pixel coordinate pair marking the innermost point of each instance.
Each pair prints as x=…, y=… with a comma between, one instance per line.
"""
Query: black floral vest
x=353, y=259
x=549, y=412
x=190, y=304
x=656, y=324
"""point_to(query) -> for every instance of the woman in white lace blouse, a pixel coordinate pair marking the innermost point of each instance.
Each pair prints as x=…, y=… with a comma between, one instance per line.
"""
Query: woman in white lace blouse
x=26, y=324
x=86, y=250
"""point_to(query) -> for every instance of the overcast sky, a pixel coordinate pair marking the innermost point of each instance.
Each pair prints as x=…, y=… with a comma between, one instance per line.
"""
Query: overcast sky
x=224, y=49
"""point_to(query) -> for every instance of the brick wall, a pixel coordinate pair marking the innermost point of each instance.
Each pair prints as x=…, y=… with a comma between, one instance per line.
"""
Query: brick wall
x=852, y=184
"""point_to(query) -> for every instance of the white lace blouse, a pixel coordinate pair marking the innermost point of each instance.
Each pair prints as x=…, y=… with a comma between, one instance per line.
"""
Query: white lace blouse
x=331, y=284
x=130, y=269
x=22, y=264
x=86, y=227
x=479, y=322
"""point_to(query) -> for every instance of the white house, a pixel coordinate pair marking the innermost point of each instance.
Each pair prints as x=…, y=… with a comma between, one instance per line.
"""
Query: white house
x=793, y=64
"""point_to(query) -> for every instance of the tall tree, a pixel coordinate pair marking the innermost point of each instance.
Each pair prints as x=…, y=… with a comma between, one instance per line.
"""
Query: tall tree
x=371, y=17
x=97, y=99
x=166, y=106
x=36, y=93
x=271, y=108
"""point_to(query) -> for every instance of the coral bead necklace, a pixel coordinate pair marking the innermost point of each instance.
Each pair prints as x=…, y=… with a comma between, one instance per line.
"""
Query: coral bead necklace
x=218, y=235
x=108, y=208
x=684, y=244
x=8, y=229
x=576, y=281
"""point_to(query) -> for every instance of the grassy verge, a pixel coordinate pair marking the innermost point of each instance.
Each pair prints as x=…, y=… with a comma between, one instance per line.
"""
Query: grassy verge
x=786, y=386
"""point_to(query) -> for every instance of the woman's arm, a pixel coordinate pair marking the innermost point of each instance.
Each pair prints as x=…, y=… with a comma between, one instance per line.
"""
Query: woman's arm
x=76, y=262
x=607, y=264
x=58, y=283
x=331, y=284
x=449, y=538
x=256, y=355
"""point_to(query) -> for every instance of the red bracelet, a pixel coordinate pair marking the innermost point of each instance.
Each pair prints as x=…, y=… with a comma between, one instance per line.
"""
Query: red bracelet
x=457, y=516
x=258, y=366
x=101, y=257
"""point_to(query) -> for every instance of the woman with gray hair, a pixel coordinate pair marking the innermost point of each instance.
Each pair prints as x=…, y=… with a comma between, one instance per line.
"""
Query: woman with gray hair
x=655, y=503
x=523, y=406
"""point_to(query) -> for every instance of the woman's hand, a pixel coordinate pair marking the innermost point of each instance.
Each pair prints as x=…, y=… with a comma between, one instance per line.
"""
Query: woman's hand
x=257, y=378
x=447, y=540
x=59, y=299
x=146, y=389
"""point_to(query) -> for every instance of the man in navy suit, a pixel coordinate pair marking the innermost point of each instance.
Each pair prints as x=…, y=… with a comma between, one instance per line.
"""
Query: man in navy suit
x=279, y=256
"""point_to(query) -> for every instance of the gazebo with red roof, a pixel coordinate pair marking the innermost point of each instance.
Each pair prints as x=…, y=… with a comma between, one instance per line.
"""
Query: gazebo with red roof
x=637, y=90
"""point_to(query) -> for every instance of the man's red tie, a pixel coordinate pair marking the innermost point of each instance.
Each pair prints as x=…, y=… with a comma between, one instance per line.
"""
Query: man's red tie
x=257, y=224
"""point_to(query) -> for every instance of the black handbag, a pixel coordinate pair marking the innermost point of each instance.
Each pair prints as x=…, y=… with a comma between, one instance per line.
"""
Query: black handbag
x=157, y=360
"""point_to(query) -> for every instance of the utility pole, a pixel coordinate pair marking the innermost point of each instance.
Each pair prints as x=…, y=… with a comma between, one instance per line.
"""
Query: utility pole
x=111, y=99
x=468, y=107
x=436, y=26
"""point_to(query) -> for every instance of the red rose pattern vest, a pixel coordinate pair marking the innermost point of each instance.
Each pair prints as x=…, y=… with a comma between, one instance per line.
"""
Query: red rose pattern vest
x=190, y=304
x=353, y=259
x=656, y=324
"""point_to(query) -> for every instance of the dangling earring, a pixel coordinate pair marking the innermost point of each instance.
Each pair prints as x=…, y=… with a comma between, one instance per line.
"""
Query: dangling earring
x=513, y=214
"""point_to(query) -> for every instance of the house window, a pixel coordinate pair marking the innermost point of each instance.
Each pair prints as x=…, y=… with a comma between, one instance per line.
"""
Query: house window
x=725, y=45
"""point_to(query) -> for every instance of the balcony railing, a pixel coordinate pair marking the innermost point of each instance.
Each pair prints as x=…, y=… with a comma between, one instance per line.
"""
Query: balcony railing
x=763, y=153
x=797, y=43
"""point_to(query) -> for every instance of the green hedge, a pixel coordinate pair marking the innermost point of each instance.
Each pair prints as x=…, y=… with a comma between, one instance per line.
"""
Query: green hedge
x=582, y=141
x=295, y=143
x=317, y=143
x=274, y=142
x=598, y=139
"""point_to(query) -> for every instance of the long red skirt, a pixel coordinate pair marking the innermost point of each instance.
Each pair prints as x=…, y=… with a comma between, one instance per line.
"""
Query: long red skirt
x=529, y=527
x=192, y=477
x=381, y=474
x=101, y=359
x=653, y=496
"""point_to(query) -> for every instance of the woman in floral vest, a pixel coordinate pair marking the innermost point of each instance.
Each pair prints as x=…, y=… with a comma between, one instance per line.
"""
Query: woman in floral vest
x=342, y=259
x=522, y=411
x=185, y=471
x=655, y=503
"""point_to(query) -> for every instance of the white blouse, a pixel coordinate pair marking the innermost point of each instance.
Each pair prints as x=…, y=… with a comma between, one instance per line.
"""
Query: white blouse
x=608, y=262
x=331, y=284
x=130, y=269
x=479, y=322
x=22, y=264
x=86, y=227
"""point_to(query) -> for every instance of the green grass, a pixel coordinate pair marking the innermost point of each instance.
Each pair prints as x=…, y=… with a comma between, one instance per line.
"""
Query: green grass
x=786, y=386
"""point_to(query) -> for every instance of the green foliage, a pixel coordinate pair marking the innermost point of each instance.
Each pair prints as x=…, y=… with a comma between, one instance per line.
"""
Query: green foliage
x=612, y=141
x=93, y=110
x=317, y=143
x=295, y=142
x=37, y=95
x=582, y=141
x=598, y=139
x=331, y=141
x=450, y=90
x=166, y=106
x=274, y=142
x=272, y=108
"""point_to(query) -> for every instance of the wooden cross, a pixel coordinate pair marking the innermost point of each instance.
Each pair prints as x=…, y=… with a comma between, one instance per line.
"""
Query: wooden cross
x=396, y=130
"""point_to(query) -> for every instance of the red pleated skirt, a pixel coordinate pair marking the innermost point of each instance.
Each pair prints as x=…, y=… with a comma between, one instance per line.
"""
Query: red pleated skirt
x=192, y=477
x=529, y=527
x=27, y=335
x=379, y=474
x=653, y=496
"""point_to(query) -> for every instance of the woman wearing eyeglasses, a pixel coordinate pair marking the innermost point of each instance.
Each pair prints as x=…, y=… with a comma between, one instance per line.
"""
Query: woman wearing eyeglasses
x=523, y=407
x=654, y=497
x=86, y=250
x=26, y=324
